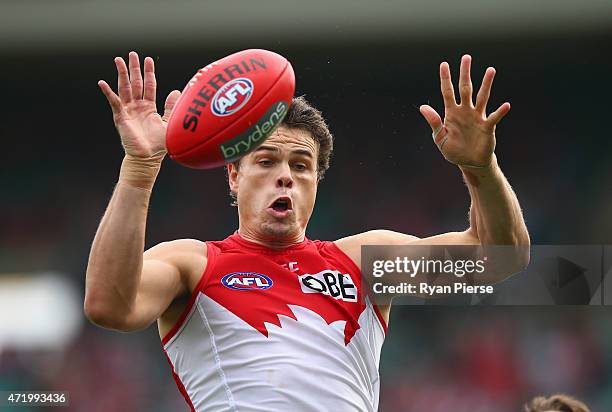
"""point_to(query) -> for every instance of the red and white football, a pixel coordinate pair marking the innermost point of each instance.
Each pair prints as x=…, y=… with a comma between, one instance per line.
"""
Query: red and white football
x=229, y=108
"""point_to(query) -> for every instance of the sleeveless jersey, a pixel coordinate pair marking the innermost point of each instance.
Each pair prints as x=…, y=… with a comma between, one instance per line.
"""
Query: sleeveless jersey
x=278, y=330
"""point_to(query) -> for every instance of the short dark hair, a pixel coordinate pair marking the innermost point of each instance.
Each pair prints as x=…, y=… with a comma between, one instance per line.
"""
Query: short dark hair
x=559, y=402
x=304, y=116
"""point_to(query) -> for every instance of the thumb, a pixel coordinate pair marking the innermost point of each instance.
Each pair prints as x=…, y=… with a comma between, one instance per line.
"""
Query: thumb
x=171, y=100
x=435, y=122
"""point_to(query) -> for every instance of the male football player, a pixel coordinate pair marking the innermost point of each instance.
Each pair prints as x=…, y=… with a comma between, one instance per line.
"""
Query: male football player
x=267, y=319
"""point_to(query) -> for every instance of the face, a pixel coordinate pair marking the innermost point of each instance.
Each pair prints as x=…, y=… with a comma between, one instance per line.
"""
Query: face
x=276, y=186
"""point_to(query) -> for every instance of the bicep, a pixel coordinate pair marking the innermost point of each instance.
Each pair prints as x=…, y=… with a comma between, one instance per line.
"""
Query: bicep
x=464, y=238
x=391, y=238
x=165, y=272
x=160, y=283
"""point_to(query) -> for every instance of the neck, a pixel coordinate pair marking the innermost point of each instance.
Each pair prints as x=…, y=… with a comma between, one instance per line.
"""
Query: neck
x=270, y=241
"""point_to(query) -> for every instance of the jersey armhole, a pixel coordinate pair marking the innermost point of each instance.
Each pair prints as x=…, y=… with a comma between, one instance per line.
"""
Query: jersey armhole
x=349, y=262
x=211, y=254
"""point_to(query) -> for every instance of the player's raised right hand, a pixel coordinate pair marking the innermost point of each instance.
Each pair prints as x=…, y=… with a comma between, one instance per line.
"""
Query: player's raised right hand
x=141, y=128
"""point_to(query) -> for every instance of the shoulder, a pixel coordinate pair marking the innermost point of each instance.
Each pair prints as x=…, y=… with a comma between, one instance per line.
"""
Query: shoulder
x=351, y=245
x=188, y=256
x=376, y=237
x=176, y=247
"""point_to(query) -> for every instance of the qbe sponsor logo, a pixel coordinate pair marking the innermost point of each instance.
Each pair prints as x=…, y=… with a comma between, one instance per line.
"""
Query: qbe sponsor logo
x=246, y=281
x=232, y=96
x=332, y=283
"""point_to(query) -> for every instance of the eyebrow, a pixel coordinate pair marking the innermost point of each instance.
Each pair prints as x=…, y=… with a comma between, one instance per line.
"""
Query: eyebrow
x=303, y=152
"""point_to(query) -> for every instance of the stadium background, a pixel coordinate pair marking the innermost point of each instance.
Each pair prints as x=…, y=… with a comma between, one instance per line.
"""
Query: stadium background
x=368, y=68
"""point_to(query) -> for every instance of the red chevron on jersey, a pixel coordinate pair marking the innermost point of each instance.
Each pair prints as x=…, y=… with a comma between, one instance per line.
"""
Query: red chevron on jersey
x=312, y=286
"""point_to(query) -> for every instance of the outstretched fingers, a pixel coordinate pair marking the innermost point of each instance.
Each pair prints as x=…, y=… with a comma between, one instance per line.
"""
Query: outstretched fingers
x=150, y=83
x=113, y=99
x=446, y=86
x=123, y=81
x=135, y=76
x=485, y=91
x=465, y=80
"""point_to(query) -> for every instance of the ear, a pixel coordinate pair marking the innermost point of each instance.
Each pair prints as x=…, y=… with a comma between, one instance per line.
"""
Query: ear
x=232, y=177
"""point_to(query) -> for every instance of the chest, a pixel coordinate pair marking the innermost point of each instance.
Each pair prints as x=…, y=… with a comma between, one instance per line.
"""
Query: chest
x=259, y=288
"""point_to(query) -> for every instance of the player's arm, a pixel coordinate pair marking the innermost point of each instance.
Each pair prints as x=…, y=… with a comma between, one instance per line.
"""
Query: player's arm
x=123, y=290
x=466, y=138
x=127, y=290
x=495, y=217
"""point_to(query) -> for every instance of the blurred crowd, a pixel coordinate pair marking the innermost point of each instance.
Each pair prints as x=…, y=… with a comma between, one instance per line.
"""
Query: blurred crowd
x=495, y=358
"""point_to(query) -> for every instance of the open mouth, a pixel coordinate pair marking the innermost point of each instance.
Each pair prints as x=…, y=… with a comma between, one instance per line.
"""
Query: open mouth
x=282, y=204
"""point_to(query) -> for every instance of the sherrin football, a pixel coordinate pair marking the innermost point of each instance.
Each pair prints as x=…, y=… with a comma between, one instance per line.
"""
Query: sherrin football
x=229, y=108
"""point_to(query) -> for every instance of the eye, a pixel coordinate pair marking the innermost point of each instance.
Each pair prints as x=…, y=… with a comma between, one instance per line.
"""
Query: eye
x=300, y=166
x=265, y=162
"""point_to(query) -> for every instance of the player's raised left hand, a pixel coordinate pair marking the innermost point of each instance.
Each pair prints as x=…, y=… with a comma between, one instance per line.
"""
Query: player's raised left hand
x=466, y=136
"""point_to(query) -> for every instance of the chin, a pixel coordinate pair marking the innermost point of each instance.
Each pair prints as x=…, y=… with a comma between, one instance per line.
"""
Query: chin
x=278, y=230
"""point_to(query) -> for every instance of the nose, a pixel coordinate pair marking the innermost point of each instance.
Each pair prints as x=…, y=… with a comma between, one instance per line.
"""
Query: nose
x=285, y=179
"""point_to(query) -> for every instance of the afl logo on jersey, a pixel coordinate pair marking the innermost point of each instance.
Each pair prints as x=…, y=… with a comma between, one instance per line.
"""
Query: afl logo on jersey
x=232, y=97
x=246, y=281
